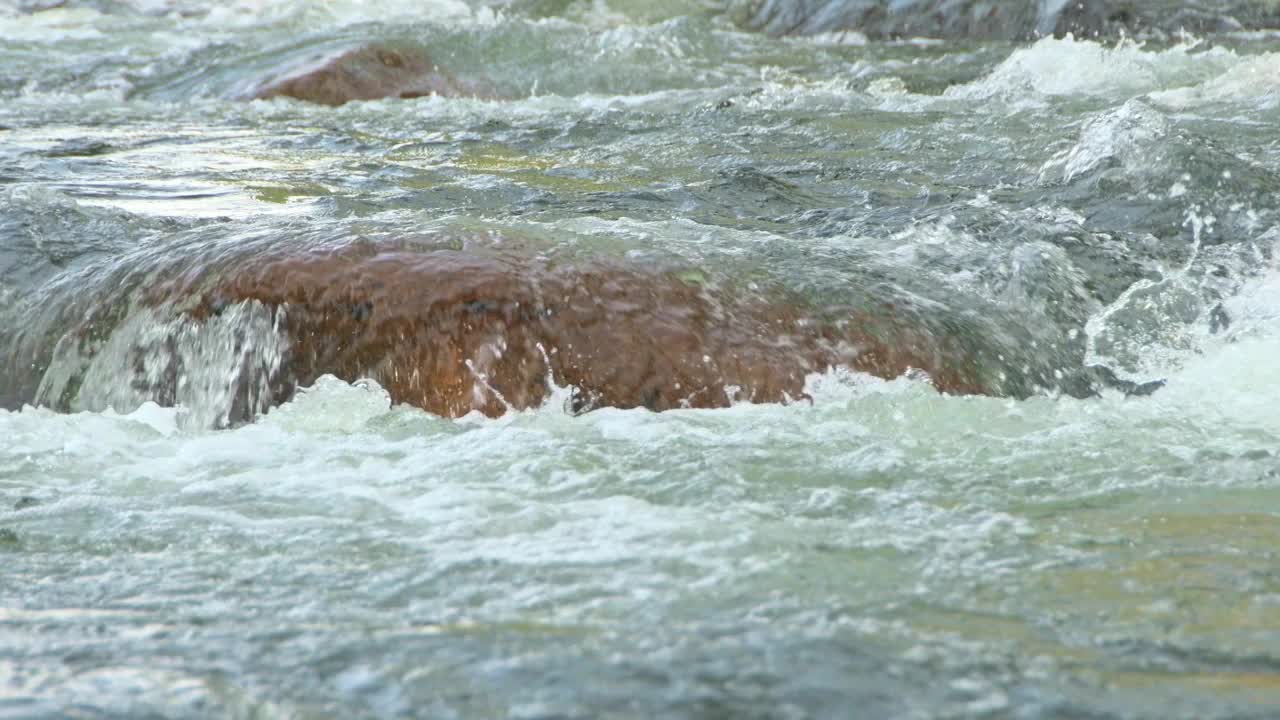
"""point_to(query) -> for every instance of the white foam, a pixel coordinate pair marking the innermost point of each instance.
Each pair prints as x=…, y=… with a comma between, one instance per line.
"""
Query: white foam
x=1158, y=325
x=1227, y=384
x=844, y=38
x=52, y=26
x=1256, y=78
x=161, y=419
x=331, y=405
x=1236, y=384
x=1068, y=66
x=336, y=13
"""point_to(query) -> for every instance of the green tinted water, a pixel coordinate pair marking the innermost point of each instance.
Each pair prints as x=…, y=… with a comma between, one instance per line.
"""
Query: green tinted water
x=884, y=552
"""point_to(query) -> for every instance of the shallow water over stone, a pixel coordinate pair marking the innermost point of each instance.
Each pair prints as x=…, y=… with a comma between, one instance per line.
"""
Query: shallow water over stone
x=1081, y=217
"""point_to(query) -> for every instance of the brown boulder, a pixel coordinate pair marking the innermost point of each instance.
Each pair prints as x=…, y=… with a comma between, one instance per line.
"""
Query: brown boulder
x=370, y=72
x=452, y=332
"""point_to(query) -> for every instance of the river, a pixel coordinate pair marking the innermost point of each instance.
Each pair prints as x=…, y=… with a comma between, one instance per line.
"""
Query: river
x=1101, y=209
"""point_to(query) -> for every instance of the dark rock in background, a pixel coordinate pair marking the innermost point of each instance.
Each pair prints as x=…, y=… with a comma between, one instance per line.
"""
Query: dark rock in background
x=1009, y=20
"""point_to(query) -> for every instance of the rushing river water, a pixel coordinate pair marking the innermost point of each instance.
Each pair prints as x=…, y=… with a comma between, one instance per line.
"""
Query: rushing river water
x=884, y=551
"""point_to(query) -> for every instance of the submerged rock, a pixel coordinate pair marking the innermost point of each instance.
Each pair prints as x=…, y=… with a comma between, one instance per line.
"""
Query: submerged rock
x=233, y=329
x=1013, y=20
x=370, y=72
x=454, y=332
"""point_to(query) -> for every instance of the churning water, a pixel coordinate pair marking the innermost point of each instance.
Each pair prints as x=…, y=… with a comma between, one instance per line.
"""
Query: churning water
x=883, y=551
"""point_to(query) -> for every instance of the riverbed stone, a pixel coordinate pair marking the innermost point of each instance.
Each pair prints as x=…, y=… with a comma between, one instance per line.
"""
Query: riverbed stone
x=371, y=72
x=454, y=332
x=1013, y=20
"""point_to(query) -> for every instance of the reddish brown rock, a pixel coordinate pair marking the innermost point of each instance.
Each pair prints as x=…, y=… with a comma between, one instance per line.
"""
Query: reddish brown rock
x=453, y=332
x=364, y=73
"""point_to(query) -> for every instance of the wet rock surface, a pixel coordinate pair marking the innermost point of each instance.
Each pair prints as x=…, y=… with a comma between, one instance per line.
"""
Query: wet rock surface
x=452, y=332
x=982, y=19
x=372, y=72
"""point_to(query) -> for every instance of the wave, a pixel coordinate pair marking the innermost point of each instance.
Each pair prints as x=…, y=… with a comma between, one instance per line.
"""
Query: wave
x=1255, y=80
x=1071, y=67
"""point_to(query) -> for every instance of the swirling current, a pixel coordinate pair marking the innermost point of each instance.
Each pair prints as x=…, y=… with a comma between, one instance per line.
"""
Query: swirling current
x=1012, y=306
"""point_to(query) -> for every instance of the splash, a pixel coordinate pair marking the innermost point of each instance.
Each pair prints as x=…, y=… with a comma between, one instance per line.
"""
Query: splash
x=332, y=406
x=1158, y=325
x=1125, y=135
x=217, y=370
x=1070, y=67
x=1255, y=80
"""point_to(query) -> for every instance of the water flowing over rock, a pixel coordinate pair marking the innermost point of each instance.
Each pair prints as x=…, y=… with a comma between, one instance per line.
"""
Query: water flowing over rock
x=230, y=330
x=364, y=73
x=1018, y=20
x=378, y=411
x=455, y=332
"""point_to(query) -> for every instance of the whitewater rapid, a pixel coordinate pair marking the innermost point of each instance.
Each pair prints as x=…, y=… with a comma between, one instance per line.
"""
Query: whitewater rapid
x=878, y=548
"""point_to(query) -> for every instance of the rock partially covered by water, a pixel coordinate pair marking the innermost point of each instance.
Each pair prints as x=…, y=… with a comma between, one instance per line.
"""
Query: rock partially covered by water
x=371, y=72
x=454, y=332
x=1012, y=20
